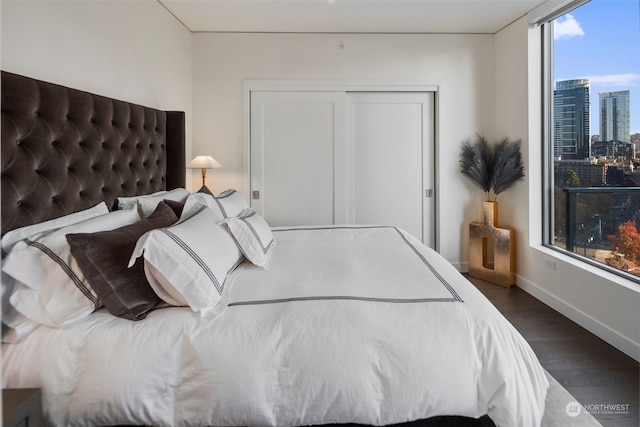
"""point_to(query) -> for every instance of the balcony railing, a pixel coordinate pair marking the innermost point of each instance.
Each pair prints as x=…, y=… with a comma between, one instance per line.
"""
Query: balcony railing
x=592, y=215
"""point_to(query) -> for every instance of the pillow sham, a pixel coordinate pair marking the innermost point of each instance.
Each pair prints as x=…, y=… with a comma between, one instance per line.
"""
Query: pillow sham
x=187, y=263
x=253, y=236
x=55, y=292
x=103, y=258
x=231, y=203
x=15, y=326
x=132, y=201
x=12, y=237
x=196, y=201
x=147, y=203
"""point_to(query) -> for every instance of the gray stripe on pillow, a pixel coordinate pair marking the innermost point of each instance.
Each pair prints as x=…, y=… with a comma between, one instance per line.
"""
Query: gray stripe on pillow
x=255, y=233
x=226, y=193
x=196, y=258
x=68, y=270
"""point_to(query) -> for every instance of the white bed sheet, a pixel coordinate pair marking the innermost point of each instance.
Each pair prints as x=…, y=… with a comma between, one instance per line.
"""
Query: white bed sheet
x=347, y=324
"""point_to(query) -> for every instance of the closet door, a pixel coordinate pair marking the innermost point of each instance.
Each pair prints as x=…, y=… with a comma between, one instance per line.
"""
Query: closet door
x=295, y=137
x=393, y=160
x=344, y=158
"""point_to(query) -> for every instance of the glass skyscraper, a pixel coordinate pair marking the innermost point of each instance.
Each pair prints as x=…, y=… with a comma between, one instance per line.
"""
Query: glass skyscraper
x=615, y=116
x=571, y=138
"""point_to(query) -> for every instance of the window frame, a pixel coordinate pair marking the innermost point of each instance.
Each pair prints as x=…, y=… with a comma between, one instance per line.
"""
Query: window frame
x=548, y=199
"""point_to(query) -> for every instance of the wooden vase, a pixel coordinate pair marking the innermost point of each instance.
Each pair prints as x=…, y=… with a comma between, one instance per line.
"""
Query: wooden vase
x=492, y=248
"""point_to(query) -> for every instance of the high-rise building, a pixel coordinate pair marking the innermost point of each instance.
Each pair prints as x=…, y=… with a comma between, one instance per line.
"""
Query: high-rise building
x=615, y=116
x=571, y=139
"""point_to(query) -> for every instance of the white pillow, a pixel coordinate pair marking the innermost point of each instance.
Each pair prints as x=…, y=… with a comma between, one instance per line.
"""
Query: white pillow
x=253, y=235
x=15, y=326
x=187, y=263
x=14, y=236
x=231, y=203
x=196, y=201
x=149, y=202
x=130, y=202
x=55, y=292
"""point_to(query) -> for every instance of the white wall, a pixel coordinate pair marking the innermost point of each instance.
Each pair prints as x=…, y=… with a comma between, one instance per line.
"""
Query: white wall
x=605, y=304
x=460, y=65
x=130, y=50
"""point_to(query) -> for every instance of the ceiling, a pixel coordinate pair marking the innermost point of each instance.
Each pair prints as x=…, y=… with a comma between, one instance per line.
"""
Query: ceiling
x=349, y=16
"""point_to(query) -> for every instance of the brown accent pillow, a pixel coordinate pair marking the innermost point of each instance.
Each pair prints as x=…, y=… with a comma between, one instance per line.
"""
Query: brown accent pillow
x=103, y=258
x=176, y=206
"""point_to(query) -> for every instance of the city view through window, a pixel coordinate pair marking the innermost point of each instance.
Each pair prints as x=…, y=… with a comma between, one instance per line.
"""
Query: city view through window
x=596, y=133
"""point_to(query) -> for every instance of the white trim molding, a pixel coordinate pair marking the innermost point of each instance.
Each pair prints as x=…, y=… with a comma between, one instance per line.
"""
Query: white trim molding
x=622, y=343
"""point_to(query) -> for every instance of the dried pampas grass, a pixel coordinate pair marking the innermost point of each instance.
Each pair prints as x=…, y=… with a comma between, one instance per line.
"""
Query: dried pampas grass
x=497, y=167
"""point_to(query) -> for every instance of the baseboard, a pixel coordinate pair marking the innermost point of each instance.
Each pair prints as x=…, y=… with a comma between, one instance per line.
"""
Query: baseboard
x=622, y=343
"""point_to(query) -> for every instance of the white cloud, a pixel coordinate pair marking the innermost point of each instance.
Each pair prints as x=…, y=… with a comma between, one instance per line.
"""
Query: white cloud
x=623, y=80
x=567, y=27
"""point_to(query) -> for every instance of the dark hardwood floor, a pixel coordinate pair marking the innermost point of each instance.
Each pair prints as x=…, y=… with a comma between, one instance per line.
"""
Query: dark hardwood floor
x=594, y=372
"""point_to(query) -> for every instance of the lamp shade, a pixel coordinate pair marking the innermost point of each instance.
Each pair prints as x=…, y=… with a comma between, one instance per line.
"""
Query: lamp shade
x=203, y=162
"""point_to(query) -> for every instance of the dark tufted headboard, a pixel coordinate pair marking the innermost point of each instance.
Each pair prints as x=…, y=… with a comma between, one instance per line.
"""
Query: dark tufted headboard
x=65, y=150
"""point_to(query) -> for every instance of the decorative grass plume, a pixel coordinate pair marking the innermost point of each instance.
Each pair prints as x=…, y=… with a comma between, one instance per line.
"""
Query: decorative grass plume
x=508, y=166
x=476, y=162
x=497, y=167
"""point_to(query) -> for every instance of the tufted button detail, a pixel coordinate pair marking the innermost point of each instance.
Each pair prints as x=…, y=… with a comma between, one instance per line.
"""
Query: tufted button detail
x=78, y=145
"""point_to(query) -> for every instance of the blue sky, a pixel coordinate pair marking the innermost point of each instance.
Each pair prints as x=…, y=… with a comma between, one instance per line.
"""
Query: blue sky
x=601, y=41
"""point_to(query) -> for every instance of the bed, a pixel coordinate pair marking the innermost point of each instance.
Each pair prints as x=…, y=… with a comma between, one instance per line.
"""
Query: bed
x=244, y=324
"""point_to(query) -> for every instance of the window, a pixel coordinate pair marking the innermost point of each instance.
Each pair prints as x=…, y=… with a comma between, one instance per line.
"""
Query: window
x=592, y=133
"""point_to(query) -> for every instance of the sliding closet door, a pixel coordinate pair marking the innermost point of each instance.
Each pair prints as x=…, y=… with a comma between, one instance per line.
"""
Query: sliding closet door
x=343, y=158
x=294, y=136
x=393, y=146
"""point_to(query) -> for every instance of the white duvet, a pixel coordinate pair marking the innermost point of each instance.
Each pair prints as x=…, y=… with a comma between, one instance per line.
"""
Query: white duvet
x=346, y=325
